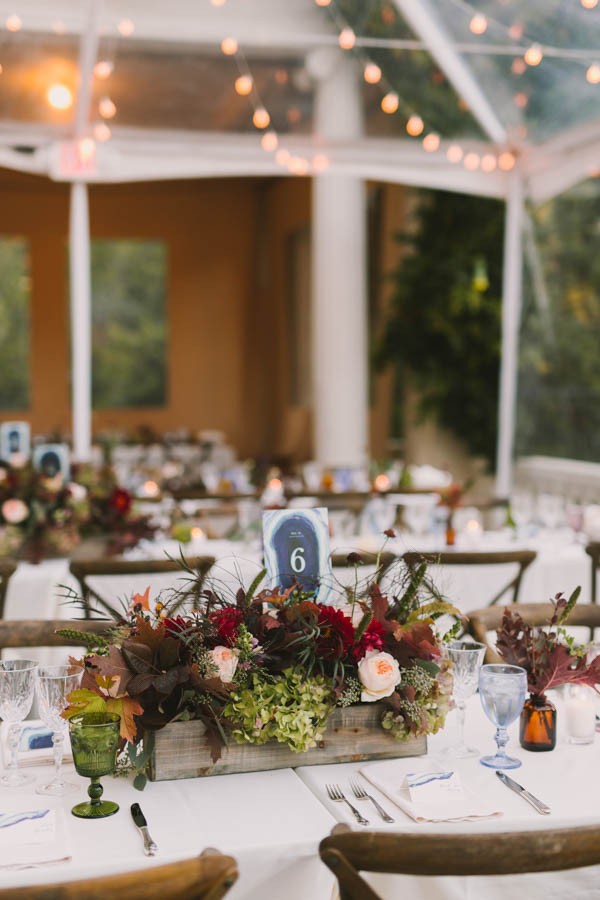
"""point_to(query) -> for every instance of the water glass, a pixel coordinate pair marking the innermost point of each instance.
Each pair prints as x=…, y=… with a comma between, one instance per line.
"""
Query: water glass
x=53, y=686
x=466, y=658
x=95, y=743
x=17, y=685
x=502, y=690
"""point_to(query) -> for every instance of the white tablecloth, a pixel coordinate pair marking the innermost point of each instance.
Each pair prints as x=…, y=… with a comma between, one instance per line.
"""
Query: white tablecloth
x=269, y=821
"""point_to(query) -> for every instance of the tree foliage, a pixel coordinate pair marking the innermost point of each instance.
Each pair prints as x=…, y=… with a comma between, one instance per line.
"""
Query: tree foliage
x=444, y=329
x=129, y=323
x=14, y=323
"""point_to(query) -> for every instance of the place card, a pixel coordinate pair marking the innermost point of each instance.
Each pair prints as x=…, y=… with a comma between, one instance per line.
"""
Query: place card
x=432, y=787
x=31, y=836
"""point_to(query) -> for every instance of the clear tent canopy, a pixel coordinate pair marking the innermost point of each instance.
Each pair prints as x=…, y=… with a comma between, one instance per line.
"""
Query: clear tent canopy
x=499, y=98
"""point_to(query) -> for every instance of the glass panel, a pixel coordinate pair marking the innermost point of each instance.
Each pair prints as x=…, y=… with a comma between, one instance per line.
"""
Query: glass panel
x=129, y=336
x=15, y=291
x=559, y=379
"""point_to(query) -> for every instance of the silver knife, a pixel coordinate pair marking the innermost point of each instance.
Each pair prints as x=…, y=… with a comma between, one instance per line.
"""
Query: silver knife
x=150, y=848
x=520, y=790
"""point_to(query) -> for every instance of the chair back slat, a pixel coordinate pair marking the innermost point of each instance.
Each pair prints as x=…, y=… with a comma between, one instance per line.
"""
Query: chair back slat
x=522, y=558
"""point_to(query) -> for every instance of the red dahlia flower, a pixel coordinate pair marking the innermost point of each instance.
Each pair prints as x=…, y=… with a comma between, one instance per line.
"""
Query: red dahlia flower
x=120, y=499
x=372, y=639
x=227, y=622
x=336, y=633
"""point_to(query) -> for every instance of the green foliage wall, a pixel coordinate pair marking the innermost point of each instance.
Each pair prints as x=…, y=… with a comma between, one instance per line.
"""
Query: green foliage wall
x=14, y=323
x=444, y=328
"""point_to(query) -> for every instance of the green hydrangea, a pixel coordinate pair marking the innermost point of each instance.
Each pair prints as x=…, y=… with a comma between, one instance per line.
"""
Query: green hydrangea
x=426, y=711
x=290, y=708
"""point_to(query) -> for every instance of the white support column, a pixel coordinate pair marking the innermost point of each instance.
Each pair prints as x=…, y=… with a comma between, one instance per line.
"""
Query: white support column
x=512, y=278
x=81, y=330
x=339, y=279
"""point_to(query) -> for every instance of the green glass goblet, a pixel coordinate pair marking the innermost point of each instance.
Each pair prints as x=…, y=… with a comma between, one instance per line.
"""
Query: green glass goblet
x=95, y=742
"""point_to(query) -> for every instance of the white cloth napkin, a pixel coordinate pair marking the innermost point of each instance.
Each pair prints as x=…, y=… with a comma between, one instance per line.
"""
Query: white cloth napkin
x=32, y=835
x=389, y=777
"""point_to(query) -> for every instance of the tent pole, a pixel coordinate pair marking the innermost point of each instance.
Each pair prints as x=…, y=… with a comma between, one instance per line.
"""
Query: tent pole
x=512, y=277
x=81, y=330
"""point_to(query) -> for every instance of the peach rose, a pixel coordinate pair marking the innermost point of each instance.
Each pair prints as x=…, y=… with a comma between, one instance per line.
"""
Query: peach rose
x=14, y=511
x=225, y=660
x=379, y=674
x=77, y=491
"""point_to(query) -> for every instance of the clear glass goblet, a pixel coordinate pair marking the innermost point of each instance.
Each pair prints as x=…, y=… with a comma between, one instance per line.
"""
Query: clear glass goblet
x=53, y=686
x=502, y=690
x=17, y=685
x=466, y=658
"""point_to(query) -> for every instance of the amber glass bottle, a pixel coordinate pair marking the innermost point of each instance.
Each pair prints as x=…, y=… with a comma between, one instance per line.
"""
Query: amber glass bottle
x=538, y=724
x=450, y=530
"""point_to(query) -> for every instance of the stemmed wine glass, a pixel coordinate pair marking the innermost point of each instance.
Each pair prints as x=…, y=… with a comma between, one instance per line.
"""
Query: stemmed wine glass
x=95, y=742
x=502, y=690
x=53, y=685
x=466, y=658
x=17, y=684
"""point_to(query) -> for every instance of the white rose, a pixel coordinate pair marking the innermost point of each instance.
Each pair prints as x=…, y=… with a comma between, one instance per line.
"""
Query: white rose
x=379, y=674
x=225, y=660
x=77, y=491
x=14, y=511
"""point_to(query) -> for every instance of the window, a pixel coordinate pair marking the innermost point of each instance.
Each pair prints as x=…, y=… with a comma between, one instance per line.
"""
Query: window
x=14, y=323
x=129, y=326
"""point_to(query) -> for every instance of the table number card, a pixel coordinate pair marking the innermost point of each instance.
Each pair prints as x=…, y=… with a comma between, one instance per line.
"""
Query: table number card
x=15, y=442
x=296, y=544
x=52, y=460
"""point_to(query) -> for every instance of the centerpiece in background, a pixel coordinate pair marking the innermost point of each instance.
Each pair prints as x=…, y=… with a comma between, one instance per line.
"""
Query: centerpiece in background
x=46, y=512
x=551, y=658
x=268, y=678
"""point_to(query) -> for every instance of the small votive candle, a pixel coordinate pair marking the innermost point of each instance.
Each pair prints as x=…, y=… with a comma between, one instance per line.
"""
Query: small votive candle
x=580, y=714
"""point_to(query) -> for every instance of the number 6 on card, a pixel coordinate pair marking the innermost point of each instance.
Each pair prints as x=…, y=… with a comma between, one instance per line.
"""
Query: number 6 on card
x=296, y=544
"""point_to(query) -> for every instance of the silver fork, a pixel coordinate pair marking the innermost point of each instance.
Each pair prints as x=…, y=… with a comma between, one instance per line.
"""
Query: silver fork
x=360, y=794
x=334, y=792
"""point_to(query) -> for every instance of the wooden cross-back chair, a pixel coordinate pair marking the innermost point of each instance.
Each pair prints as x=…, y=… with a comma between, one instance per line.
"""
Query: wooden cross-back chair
x=83, y=570
x=347, y=853
x=205, y=877
x=522, y=558
x=593, y=551
x=19, y=633
x=488, y=619
x=7, y=568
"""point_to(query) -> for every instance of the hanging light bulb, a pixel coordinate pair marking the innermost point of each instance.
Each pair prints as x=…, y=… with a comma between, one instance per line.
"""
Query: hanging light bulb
x=347, y=39
x=593, y=74
x=431, y=142
x=1, y=69
x=506, y=161
x=454, y=153
x=589, y=4
x=218, y=2
x=59, y=96
x=107, y=108
x=478, y=24
x=533, y=55
x=281, y=76
x=103, y=69
x=415, y=125
x=244, y=85
x=229, y=46
x=87, y=148
x=389, y=103
x=298, y=165
x=126, y=27
x=488, y=162
x=261, y=117
x=372, y=73
x=516, y=31
x=269, y=141
x=282, y=157
x=102, y=132
x=518, y=66
x=471, y=161
x=320, y=162
x=521, y=99
x=322, y=2
x=13, y=23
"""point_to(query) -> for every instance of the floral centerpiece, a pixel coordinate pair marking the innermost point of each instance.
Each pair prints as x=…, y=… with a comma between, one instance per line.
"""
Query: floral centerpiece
x=42, y=516
x=272, y=665
x=551, y=658
x=39, y=515
x=111, y=509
